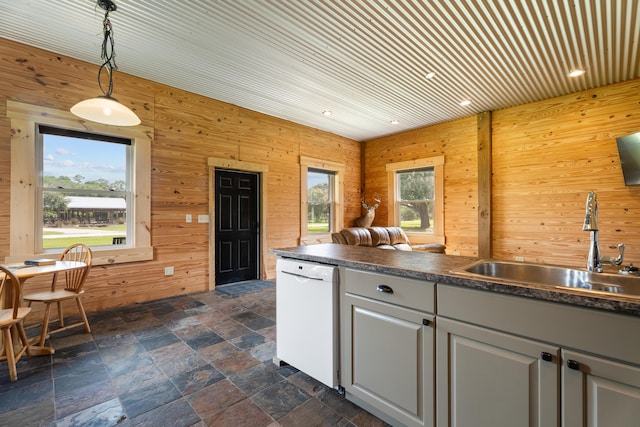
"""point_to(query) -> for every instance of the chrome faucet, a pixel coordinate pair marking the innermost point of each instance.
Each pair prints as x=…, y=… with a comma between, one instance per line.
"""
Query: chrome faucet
x=594, y=261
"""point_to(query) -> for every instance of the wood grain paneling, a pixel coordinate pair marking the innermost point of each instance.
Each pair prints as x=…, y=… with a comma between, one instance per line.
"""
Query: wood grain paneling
x=484, y=184
x=546, y=157
x=457, y=142
x=188, y=129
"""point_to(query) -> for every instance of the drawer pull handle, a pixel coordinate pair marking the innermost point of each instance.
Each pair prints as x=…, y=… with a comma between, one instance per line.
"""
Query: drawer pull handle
x=385, y=288
x=573, y=364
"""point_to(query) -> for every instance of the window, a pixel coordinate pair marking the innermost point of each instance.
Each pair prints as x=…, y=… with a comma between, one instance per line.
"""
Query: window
x=41, y=196
x=321, y=204
x=416, y=199
x=84, y=192
x=320, y=184
x=416, y=188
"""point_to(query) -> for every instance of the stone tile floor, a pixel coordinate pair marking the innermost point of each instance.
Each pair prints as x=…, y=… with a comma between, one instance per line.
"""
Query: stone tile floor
x=196, y=360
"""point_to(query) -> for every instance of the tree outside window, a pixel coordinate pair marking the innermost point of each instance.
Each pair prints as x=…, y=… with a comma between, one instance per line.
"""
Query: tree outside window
x=416, y=190
x=320, y=200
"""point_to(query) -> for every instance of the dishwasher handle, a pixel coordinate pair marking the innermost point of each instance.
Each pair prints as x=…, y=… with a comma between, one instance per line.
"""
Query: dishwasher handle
x=302, y=276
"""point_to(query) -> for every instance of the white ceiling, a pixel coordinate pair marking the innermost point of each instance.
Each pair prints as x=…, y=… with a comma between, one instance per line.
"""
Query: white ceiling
x=366, y=61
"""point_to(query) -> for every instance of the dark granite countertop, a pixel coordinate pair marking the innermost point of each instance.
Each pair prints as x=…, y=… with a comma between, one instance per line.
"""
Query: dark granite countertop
x=437, y=268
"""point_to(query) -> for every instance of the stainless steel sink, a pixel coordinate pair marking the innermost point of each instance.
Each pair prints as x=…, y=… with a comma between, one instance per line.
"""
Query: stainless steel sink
x=546, y=275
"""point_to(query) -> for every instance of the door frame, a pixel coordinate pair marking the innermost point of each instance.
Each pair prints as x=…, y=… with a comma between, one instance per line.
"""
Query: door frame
x=217, y=163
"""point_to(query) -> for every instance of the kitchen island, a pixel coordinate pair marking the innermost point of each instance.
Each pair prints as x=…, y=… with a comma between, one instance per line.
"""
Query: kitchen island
x=423, y=346
x=438, y=268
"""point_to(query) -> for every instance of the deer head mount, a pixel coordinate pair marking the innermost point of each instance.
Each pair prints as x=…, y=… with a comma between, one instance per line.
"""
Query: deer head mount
x=366, y=219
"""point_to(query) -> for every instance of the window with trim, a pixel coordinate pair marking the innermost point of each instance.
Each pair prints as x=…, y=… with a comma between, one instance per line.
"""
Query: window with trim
x=84, y=189
x=416, y=199
x=320, y=212
x=321, y=204
x=416, y=189
x=43, y=196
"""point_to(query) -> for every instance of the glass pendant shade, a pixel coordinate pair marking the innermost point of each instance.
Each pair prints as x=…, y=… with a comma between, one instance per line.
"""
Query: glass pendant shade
x=106, y=110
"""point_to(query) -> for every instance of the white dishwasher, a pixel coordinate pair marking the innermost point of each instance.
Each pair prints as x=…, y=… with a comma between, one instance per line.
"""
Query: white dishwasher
x=307, y=329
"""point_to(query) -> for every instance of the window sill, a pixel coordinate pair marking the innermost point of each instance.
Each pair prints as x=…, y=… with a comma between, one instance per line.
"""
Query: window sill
x=314, y=239
x=100, y=256
x=421, y=238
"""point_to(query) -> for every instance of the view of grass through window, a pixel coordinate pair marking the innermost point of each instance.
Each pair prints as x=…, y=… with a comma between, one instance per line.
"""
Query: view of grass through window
x=319, y=196
x=416, y=199
x=84, y=189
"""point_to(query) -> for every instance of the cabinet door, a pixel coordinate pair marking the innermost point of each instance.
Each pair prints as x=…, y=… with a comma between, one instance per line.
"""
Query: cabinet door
x=388, y=360
x=598, y=392
x=491, y=379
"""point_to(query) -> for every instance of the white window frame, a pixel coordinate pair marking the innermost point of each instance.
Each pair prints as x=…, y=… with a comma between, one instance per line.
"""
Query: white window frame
x=24, y=181
x=337, y=217
x=392, y=169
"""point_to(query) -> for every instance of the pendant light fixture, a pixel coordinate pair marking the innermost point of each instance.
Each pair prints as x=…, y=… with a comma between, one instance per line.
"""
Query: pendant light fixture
x=105, y=108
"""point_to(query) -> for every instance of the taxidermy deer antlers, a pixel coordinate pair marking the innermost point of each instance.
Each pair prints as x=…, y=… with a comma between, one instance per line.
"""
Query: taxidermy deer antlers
x=366, y=219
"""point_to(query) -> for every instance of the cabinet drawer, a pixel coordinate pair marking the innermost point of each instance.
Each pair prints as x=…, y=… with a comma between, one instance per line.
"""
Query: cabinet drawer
x=411, y=293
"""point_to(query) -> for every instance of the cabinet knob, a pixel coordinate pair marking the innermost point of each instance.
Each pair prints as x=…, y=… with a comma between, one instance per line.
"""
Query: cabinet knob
x=573, y=364
x=547, y=357
x=426, y=322
x=385, y=288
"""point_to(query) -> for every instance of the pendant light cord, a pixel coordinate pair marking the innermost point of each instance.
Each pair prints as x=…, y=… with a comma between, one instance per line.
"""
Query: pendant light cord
x=107, y=53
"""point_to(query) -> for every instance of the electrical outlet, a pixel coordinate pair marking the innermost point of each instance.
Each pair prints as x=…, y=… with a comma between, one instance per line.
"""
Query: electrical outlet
x=204, y=219
x=168, y=271
x=520, y=258
x=189, y=218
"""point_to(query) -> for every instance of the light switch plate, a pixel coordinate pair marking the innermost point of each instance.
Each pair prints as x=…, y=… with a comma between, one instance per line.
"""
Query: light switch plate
x=203, y=219
x=189, y=218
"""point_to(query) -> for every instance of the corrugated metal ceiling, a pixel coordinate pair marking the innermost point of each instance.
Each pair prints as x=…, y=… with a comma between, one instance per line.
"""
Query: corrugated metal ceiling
x=366, y=61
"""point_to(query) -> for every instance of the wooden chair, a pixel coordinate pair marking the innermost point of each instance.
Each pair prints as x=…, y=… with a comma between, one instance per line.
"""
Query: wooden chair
x=73, y=289
x=11, y=317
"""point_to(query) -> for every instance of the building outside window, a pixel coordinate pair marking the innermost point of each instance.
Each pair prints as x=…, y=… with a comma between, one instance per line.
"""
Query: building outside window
x=85, y=190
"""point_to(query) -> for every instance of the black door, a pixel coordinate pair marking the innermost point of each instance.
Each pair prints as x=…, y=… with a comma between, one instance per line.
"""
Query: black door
x=237, y=226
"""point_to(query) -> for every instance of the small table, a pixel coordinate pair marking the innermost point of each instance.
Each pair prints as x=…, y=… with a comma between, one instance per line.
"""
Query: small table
x=24, y=272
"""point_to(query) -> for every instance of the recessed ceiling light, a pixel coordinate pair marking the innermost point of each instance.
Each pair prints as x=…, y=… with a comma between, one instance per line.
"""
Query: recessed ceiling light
x=430, y=75
x=327, y=113
x=465, y=102
x=576, y=72
x=394, y=122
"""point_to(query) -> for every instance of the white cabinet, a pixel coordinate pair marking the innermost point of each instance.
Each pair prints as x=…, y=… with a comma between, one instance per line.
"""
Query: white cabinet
x=597, y=392
x=388, y=346
x=495, y=369
x=491, y=379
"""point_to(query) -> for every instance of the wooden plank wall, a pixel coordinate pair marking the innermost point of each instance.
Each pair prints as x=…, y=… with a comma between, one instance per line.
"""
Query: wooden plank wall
x=546, y=157
x=457, y=141
x=188, y=130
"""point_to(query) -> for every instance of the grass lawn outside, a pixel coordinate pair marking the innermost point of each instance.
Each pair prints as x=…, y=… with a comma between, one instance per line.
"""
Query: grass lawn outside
x=318, y=227
x=63, y=242
x=413, y=226
x=103, y=236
